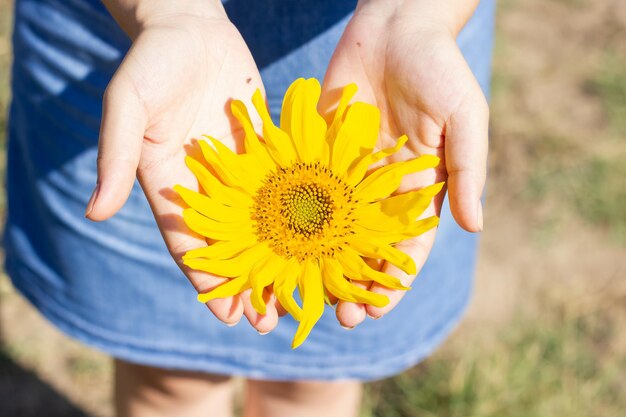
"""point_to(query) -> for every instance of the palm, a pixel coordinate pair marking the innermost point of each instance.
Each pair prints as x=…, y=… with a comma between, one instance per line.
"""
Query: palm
x=421, y=84
x=176, y=83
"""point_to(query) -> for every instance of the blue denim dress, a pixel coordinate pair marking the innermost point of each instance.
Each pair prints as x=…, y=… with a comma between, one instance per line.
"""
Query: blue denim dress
x=113, y=285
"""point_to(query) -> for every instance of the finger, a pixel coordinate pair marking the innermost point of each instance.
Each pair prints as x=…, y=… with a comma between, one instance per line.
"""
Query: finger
x=417, y=248
x=157, y=181
x=466, y=160
x=351, y=314
x=280, y=309
x=119, y=148
x=229, y=309
x=263, y=323
x=332, y=300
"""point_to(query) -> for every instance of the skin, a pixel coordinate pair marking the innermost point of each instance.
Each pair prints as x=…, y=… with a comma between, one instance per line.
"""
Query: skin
x=185, y=64
x=187, y=61
x=405, y=60
x=143, y=391
x=169, y=89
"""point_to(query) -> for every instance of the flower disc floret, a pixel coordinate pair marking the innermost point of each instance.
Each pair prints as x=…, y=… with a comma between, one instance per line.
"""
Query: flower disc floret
x=304, y=211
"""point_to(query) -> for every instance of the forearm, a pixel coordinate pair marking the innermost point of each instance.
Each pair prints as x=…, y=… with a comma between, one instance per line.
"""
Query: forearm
x=133, y=15
x=449, y=14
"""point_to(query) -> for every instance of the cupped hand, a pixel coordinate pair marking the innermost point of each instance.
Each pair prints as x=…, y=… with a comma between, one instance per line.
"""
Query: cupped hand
x=174, y=85
x=409, y=66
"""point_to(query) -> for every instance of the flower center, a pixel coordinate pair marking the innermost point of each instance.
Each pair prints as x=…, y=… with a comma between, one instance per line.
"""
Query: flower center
x=303, y=211
x=307, y=208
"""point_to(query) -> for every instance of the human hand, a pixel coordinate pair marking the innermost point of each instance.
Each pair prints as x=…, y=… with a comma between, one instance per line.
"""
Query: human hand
x=186, y=63
x=404, y=59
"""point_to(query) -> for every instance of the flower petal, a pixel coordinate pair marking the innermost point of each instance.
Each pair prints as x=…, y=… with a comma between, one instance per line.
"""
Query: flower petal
x=215, y=189
x=286, y=112
x=417, y=228
x=358, y=171
x=397, y=212
x=386, y=180
x=251, y=142
x=228, y=289
x=284, y=286
x=308, y=128
x=242, y=171
x=279, y=144
x=261, y=276
x=215, y=229
x=224, y=249
x=234, y=267
x=312, y=300
x=346, y=95
x=355, y=267
x=210, y=207
x=340, y=287
x=356, y=137
x=337, y=119
x=371, y=248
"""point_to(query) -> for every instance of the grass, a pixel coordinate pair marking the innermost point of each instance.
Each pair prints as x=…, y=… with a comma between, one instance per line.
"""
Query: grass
x=609, y=84
x=593, y=187
x=599, y=194
x=559, y=363
x=587, y=174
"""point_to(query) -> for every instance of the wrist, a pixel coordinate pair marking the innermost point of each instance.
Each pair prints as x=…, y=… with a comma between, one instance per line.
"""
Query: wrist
x=135, y=15
x=439, y=15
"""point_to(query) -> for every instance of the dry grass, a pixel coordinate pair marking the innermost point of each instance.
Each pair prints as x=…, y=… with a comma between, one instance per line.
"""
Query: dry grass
x=546, y=333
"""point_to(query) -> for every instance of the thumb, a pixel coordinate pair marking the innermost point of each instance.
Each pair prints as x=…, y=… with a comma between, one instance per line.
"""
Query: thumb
x=119, y=148
x=466, y=160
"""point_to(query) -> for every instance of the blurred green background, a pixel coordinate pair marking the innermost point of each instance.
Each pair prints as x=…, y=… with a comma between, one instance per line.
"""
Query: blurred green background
x=545, y=334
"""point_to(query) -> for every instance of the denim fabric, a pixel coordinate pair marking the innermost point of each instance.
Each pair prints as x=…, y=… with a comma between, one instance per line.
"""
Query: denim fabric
x=113, y=285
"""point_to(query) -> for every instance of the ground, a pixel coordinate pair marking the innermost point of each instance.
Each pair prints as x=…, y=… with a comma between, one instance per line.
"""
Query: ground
x=545, y=334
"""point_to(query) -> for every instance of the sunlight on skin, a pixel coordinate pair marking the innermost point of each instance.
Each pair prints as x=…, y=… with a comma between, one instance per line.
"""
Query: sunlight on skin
x=415, y=74
x=417, y=77
x=153, y=111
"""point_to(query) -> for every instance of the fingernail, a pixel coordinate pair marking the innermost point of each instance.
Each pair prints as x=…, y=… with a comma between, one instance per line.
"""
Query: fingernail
x=375, y=317
x=480, y=216
x=263, y=333
x=92, y=200
x=346, y=327
x=233, y=324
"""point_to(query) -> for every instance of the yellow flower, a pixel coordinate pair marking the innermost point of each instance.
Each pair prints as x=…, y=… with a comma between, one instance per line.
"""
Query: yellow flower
x=298, y=209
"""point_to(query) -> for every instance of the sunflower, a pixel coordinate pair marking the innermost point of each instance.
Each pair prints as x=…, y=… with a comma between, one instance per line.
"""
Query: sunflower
x=301, y=208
